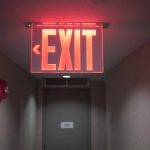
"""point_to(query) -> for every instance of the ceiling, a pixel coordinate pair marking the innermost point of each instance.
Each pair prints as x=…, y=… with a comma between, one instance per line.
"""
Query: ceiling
x=129, y=29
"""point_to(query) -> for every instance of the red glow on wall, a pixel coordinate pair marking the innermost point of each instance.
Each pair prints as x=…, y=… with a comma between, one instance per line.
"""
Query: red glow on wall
x=67, y=48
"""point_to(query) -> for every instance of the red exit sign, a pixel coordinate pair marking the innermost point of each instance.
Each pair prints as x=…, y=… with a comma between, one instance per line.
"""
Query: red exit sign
x=67, y=48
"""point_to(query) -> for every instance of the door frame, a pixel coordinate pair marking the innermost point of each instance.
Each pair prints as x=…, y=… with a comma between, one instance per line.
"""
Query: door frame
x=44, y=113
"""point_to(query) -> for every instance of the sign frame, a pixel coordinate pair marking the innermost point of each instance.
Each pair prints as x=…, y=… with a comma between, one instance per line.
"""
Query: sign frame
x=72, y=24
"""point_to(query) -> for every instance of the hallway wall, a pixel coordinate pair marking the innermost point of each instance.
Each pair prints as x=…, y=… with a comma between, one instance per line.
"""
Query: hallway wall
x=21, y=112
x=18, y=111
x=98, y=115
x=128, y=99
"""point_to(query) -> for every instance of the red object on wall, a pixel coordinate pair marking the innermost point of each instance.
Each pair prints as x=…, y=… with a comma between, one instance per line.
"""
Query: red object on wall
x=3, y=89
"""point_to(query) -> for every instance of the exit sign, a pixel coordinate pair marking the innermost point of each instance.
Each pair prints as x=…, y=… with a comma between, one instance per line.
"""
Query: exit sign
x=67, y=48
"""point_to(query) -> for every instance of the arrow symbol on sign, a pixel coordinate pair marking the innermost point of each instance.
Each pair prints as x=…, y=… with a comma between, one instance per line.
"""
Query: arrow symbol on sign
x=36, y=49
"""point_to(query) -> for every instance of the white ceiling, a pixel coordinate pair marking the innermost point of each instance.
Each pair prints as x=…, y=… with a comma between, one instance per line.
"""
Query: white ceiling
x=129, y=30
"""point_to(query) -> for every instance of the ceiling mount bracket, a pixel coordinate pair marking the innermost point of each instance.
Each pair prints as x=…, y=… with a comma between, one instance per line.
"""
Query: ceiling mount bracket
x=104, y=24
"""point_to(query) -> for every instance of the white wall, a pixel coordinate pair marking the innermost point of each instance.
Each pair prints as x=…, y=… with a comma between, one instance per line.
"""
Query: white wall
x=98, y=115
x=128, y=99
x=18, y=111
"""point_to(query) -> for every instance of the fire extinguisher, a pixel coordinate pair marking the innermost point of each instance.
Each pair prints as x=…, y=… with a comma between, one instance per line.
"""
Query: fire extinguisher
x=3, y=89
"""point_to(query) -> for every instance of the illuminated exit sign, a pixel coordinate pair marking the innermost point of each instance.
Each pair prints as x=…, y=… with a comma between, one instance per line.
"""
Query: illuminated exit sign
x=67, y=48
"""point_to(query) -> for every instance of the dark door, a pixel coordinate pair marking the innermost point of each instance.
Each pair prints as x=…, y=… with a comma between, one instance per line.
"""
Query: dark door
x=67, y=119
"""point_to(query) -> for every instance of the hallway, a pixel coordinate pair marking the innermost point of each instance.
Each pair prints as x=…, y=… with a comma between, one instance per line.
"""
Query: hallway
x=104, y=46
x=119, y=107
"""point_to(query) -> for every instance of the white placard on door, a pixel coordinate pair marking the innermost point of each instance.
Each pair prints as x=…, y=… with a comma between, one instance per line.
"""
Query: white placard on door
x=67, y=125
